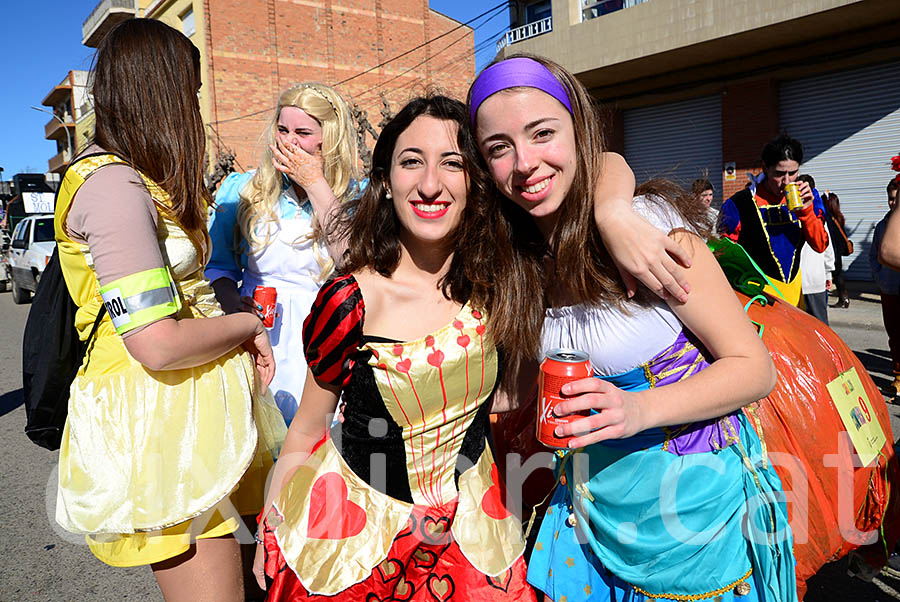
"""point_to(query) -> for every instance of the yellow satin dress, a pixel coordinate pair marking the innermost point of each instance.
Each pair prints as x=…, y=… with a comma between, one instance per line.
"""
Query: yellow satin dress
x=150, y=460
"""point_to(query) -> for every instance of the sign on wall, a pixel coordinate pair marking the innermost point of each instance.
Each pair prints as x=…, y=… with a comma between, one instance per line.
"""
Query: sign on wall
x=730, y=171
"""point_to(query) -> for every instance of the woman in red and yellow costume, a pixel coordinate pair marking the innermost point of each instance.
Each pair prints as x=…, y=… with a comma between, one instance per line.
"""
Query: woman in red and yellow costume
x=402, y=499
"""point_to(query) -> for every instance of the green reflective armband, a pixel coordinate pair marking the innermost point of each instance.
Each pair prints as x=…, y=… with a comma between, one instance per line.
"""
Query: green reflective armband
x=141, y=298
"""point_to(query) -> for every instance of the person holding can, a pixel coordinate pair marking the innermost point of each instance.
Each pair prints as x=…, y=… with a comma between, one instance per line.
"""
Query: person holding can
x=775, y=217
x=663, y=472
x=401, y=337
x=270, y=225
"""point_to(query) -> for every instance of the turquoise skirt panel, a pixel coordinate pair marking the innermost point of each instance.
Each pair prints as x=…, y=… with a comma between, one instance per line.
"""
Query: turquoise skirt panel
x=636, y=521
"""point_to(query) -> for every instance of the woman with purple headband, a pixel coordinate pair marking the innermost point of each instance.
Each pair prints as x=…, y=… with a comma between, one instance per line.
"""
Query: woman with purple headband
x=663, y=493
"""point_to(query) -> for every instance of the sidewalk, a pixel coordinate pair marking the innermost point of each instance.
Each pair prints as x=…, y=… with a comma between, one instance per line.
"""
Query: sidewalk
x=864, y=311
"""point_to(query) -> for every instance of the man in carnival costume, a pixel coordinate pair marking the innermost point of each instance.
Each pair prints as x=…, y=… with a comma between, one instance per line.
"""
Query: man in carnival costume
x=759, y=220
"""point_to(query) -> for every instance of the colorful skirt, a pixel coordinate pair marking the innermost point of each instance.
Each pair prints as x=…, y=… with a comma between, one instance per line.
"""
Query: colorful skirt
x=423, y=564
x=690, y=512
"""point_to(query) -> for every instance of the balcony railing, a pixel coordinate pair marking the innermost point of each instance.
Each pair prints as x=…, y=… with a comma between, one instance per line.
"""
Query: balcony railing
x=104, y=16
x=58, y=162
x=591, y=9
x=58, y=94
x=54, y=128
x=529, y=30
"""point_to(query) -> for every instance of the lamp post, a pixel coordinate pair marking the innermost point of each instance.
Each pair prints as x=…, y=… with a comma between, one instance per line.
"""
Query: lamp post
x=63, y=123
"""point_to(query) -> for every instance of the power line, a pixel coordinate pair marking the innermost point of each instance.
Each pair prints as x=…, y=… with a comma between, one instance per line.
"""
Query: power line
x=357, y=97
x=450, y=63
x=476, y=49
x=423, y=44
x=480, y=47
x=497, y=8
x=418, y=81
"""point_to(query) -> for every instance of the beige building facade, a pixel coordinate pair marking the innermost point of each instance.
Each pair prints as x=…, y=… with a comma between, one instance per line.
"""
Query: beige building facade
x=695, y=88
x=72, y=123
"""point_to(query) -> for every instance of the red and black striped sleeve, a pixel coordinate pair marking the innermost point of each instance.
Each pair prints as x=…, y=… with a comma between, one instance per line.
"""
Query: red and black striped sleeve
x=333, y=330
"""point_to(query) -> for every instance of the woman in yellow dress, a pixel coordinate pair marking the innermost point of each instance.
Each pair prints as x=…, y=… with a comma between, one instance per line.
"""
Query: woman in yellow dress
x=168, y=439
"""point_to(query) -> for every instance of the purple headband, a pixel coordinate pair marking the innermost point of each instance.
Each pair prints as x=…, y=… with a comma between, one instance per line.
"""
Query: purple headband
x=513, y=73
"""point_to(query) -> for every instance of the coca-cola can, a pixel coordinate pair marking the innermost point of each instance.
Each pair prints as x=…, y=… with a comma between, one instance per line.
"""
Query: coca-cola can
x=560, y=366
x=266, y=297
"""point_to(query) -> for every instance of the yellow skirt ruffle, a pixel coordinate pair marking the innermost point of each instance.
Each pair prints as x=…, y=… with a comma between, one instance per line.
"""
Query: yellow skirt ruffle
x=137, y=549
x=145, y=454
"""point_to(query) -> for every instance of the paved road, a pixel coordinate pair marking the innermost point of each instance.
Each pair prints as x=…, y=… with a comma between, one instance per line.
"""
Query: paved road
x=38, y=561
x=41, y=563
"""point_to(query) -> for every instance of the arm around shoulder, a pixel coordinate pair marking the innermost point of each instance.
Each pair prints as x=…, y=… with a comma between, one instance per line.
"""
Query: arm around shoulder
x=639, y=250
x=742, y=370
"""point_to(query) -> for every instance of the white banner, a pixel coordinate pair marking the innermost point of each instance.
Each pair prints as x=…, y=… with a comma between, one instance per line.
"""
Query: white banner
x=38, y=202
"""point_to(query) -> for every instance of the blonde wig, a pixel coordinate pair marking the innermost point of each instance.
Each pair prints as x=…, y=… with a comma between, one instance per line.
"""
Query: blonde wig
x=260, y=197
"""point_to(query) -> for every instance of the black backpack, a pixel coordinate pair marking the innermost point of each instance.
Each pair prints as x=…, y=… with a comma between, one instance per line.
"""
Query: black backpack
x=51, y=356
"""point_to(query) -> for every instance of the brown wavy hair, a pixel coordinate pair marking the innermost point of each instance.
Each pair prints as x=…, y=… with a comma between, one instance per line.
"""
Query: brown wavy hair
x=144, y=81
x=573, y=258
x=482, y=242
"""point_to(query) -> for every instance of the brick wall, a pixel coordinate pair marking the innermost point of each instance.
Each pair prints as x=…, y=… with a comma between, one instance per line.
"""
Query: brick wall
x=257, y=48
x=749, y=120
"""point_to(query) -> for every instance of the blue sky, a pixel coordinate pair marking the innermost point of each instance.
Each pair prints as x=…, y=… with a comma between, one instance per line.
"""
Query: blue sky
x=42, y=41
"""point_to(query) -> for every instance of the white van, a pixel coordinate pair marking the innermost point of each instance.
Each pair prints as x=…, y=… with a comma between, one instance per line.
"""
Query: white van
x=32, y=245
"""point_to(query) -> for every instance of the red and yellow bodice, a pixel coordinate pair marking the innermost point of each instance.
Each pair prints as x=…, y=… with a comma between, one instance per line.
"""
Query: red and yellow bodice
x=414, y=436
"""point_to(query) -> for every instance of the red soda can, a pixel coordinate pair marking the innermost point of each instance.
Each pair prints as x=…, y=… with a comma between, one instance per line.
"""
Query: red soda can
x=560, y=366
x=266, y=296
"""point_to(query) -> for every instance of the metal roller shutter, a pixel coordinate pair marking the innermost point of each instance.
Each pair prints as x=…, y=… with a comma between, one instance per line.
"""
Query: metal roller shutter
x=681, y=141
x=849, y=124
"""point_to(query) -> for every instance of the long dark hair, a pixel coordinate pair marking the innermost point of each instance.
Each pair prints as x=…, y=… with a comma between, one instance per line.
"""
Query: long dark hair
x=144, y=81
x=583, y=267
x=833, y=207
x=480, y=242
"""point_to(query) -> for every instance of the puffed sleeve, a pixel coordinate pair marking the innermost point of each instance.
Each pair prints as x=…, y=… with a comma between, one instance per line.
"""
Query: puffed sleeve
x=663, y=216
x=225, y=259
x=332, y=331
